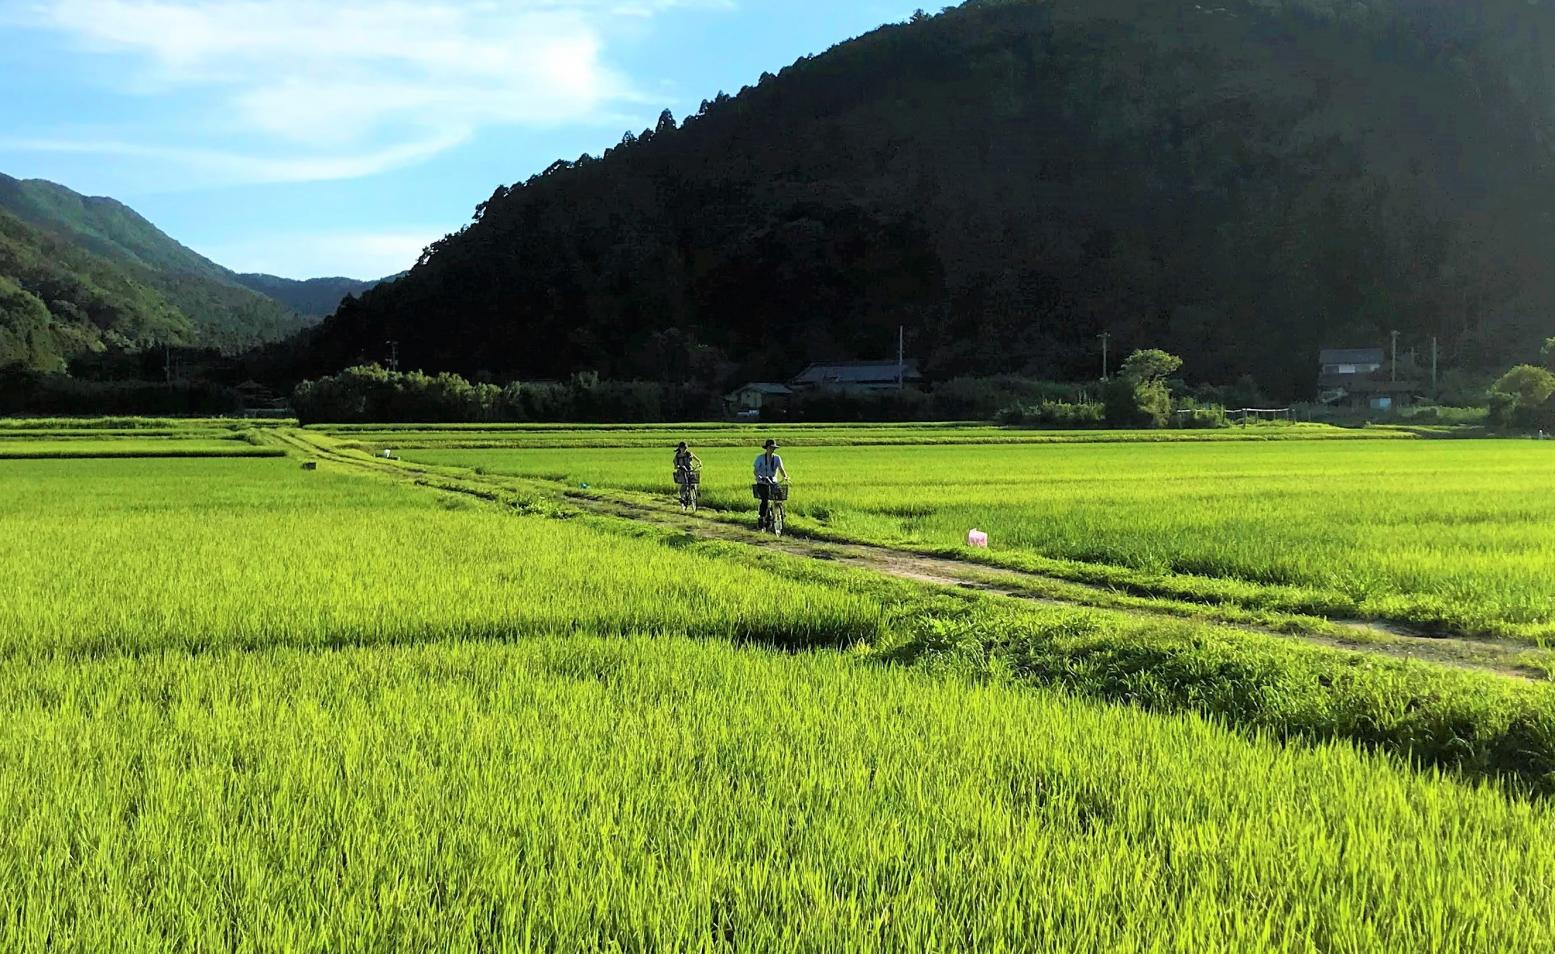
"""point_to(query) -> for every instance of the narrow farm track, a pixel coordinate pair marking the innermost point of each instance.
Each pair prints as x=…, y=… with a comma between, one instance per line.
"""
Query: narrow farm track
x=1362, y=636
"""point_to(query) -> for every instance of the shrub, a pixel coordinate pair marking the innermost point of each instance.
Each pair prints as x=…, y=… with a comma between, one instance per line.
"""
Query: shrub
x=1139, y=396
x=27, y=392
x=372, y=394
x=1201, y=417
x=1132, y=403
x=1054, y=414
x=1432, y=414
x=963, y=399
x=1521, y=399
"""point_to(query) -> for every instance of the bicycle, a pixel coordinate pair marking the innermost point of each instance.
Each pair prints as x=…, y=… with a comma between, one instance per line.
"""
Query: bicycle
x=777, y=509
x=689, y=480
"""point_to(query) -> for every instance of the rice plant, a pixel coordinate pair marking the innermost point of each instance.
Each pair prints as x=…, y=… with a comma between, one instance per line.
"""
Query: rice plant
x=651, y=793
x=1452, y=536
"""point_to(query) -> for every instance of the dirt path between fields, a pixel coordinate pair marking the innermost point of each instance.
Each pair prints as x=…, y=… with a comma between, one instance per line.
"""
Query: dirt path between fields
x=1354, y=635
x=1364, y=636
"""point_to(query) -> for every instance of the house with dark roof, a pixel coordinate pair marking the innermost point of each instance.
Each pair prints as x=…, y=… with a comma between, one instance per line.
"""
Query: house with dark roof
x=857, y=376
x=1342, y=365
x=1361, y=378
x=756, y=396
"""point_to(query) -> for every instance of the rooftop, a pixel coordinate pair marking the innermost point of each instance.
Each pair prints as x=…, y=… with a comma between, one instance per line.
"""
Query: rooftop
x=856, y=372
x=1350, y=356
x=765, y=387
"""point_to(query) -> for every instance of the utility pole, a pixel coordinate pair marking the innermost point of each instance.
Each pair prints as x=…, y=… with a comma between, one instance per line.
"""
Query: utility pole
x=1433, y=364
x=394, y=355
x=1106, y=339
x=901, y=356
x=1395, y=357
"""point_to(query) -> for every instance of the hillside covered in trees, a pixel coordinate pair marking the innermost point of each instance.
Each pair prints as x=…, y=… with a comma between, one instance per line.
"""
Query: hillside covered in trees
x=1239, y=182
x=83, y=274
x=310, y=297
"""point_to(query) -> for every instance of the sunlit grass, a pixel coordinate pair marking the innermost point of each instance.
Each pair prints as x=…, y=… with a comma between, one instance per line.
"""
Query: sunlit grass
x=248, y=706
x=144, y=555
x=655, y=794
x=1458, y=535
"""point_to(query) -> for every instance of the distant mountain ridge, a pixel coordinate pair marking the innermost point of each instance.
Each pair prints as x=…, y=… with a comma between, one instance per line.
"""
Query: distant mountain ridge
x=311, y=298
x=103, y=226
x=89, y=273
x=1241, y=182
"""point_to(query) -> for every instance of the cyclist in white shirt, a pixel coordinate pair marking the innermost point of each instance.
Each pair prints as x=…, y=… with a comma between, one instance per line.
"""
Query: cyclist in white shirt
x=768, y=468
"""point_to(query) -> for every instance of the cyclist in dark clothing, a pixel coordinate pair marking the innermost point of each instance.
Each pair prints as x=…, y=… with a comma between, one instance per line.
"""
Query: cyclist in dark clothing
x=688, y=477
x=684, y=459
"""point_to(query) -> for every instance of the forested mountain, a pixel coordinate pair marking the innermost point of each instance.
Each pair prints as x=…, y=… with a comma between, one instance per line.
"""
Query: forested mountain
x=105, y=277
x=1241, y=182
x=58, y=301
x=103, y=226
x=311, y=298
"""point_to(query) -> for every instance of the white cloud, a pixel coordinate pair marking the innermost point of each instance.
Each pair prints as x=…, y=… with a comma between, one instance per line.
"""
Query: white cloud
x=292, y=89
x=354, y=254
x=215, y=166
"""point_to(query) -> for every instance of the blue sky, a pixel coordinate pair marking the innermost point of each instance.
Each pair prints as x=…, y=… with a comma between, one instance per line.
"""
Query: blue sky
x=326, y=137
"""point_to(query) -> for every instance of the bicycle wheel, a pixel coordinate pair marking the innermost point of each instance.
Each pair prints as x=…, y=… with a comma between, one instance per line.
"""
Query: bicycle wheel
x=691, y=495
x=778, y=516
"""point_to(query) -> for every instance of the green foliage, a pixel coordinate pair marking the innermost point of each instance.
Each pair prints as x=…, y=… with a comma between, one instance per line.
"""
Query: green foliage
x=1283, y=525
x=1194, y=416
x=420, y=570
x=1482, y=726
x=103, y=227
x=109, y=278
x=586, y=793
x=27, y=336
x=1001, y=180
x=984, y=398
x=1149, y=365
x=1447, y=416
x=1521, y=399
x=913, y=434
x=422, y=722
x=97, y=303
x=373, y=394
x=1527, y=384
x=25, y=392
x=1056, y=414
x=1130, y=403
x=313, y=298
x=1139, y=396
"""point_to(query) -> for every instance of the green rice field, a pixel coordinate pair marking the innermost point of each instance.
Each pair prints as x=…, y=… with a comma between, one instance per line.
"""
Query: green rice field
x=1455, y=536
x=252, y=706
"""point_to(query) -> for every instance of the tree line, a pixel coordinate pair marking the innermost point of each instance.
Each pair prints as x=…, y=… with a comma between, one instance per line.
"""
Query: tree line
x=1008, y=181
